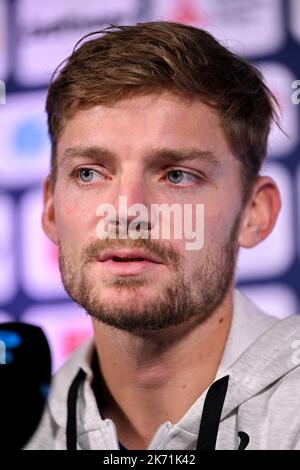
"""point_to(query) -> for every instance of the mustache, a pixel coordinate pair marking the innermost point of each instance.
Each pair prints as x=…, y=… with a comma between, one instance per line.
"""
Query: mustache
x=166, y=253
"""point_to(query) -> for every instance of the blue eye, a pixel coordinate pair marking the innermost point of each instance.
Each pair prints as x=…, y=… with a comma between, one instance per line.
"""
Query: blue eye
x=86, y=174
x=179, y=176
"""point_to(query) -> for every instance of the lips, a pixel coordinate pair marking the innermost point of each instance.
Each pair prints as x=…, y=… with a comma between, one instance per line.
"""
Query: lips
x=123, y=256
x=128, y=262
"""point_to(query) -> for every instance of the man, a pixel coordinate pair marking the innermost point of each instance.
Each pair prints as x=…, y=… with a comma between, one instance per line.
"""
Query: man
x=180, y=359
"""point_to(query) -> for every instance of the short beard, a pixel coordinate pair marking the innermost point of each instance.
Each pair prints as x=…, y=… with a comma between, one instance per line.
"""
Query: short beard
x=176, y=303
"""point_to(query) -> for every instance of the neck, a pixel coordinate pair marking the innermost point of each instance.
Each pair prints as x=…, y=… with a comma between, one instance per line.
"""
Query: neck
x=156, y=376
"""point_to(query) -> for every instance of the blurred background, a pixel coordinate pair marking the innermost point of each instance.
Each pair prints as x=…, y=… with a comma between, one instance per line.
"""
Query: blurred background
x=34, y=38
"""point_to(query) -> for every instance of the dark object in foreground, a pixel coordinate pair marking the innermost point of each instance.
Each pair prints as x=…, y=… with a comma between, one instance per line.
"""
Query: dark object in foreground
x=25, y=373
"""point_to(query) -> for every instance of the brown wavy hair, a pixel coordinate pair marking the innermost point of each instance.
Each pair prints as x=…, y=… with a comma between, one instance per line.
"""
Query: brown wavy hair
x=122, y=61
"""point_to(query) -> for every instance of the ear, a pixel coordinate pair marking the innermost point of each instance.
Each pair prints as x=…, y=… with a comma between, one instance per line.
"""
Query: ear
x=261, y=212
x=48, y=216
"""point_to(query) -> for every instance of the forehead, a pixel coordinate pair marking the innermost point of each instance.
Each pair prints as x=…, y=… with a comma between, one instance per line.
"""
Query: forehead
x=134, y=125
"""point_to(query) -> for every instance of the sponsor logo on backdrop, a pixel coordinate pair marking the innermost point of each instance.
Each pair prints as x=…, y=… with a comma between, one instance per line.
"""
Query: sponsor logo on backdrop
x=3, y=40
x=279, y=79
x=242, y=25
x=29, y=137
x=47, y=35
x=7, y=267
x=273, y=256
x=66, y=327
x=25, y=147
x=40, y=273
x=183, y=11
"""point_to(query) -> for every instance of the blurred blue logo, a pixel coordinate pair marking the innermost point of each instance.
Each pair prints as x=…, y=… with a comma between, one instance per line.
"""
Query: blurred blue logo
x=30, y=137
x=8, y=340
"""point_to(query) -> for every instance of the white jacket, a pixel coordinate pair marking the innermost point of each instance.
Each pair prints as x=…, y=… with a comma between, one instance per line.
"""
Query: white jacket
x=254, y=402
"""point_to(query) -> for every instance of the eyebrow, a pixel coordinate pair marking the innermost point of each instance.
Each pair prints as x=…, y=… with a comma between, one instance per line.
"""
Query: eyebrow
x=153, y=156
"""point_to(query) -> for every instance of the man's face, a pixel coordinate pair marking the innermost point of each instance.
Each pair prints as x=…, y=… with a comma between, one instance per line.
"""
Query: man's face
x=130, y=149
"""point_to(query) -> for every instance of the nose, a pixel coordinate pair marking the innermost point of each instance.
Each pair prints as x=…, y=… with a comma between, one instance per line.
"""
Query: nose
x=132, y=201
